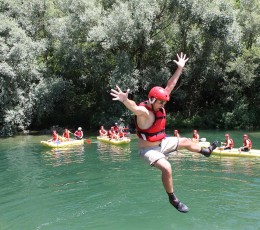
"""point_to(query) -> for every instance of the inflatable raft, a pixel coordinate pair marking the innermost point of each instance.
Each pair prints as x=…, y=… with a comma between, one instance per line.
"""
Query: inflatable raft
x=235, y=153
x=59, y=144
x=120, y=141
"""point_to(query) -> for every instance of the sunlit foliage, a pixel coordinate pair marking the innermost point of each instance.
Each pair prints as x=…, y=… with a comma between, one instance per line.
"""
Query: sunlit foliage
x=60, y=58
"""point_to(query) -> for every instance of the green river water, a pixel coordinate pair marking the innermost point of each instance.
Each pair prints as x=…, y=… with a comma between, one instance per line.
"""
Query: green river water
x=104, y=187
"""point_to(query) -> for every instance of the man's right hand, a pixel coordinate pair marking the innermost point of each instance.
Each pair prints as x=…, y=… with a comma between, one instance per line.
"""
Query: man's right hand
x=119, y=95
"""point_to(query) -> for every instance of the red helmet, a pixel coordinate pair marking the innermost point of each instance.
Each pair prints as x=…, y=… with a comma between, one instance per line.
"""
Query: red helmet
x=159, y=93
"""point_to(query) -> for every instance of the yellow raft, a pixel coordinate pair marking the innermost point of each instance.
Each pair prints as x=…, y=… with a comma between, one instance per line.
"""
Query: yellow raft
x=120, y=141
x=235, y=153
x=60, y=144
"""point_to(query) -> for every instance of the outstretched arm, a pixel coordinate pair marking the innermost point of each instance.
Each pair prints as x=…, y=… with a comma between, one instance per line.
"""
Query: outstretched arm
x=119, y=95
x=175, y=77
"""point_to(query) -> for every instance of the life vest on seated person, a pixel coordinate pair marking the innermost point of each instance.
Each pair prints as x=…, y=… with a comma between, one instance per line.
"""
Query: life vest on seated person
x=250, y=143
x=232, y=143
x=66, y=135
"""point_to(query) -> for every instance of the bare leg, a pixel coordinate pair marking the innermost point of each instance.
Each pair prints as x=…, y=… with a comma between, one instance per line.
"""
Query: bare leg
x=194, y=147
x=189, y=144
x=166, y=170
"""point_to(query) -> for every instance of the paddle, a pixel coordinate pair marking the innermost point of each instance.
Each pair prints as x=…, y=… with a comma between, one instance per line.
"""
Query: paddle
x=90, y=142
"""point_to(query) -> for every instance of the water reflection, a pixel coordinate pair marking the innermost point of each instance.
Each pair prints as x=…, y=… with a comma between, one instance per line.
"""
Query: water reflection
x=61, y=156
x=231, y=164
x=114, y=153
x=225, y=167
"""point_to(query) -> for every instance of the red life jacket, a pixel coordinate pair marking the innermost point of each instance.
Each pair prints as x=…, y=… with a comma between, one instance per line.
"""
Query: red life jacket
x=116, y=128
x=231, y=144
x=111, y=133
x=250, y=143
x=121, y=134
x=55, y=137
x=157, y=131
x=78, y=133
x=196, y=136
x=103, y=131
x=66, y=134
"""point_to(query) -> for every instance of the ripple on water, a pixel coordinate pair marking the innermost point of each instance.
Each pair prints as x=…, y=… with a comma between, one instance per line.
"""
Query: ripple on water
x=114, y=153
x=108, y=187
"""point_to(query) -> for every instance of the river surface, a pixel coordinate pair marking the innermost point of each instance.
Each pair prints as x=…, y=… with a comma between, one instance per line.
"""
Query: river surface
x=104, y=187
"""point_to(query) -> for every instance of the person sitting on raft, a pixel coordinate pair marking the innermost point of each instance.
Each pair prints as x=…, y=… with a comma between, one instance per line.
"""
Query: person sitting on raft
x=121, y=133
x=116, y=128
x=195, y=136
x=55, y=136
x=229, y=144
x=176, y=133
x=66, y=135
x=112, y=133
x=247, y=144
x=102, y=131
x=78, y=133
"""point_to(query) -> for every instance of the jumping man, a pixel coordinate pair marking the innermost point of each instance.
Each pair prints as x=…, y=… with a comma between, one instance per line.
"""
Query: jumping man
x=150, y=120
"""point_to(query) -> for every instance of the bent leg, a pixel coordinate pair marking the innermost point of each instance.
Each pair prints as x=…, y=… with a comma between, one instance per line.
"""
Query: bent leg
x=189, y=145
x=194, y=147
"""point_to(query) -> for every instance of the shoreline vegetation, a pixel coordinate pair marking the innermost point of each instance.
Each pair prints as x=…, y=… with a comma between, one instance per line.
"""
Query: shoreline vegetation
x=60, y=59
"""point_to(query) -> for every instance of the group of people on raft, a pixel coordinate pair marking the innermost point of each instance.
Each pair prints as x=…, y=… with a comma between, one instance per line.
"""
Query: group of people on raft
x=247, y=143
x=78, y=135
x=195, y=136
x=115, y=132
x=228, y=144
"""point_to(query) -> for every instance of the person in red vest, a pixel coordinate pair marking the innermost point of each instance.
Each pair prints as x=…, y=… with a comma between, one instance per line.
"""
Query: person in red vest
x=150, y=121
x=176, y=133
x=195, y=136
x=66, y=135
x=102, y=131
x=55, y=136
x=229, y=144
x=121, y=133
x=112, y=133
x=78, y=133
x=116, y=128
x=247, y=144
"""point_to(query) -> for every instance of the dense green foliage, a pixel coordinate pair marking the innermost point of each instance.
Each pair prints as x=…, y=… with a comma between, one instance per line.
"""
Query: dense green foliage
x=60, y=58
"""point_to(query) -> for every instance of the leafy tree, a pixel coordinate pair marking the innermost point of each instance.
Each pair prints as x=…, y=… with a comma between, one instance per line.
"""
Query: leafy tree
x=249, y=19
x=59, y=60
x=241, y=88
x=22, y=82
x=19, y=75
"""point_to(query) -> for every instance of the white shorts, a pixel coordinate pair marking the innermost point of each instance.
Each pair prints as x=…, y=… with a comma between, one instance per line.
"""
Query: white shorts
x=164, y=150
